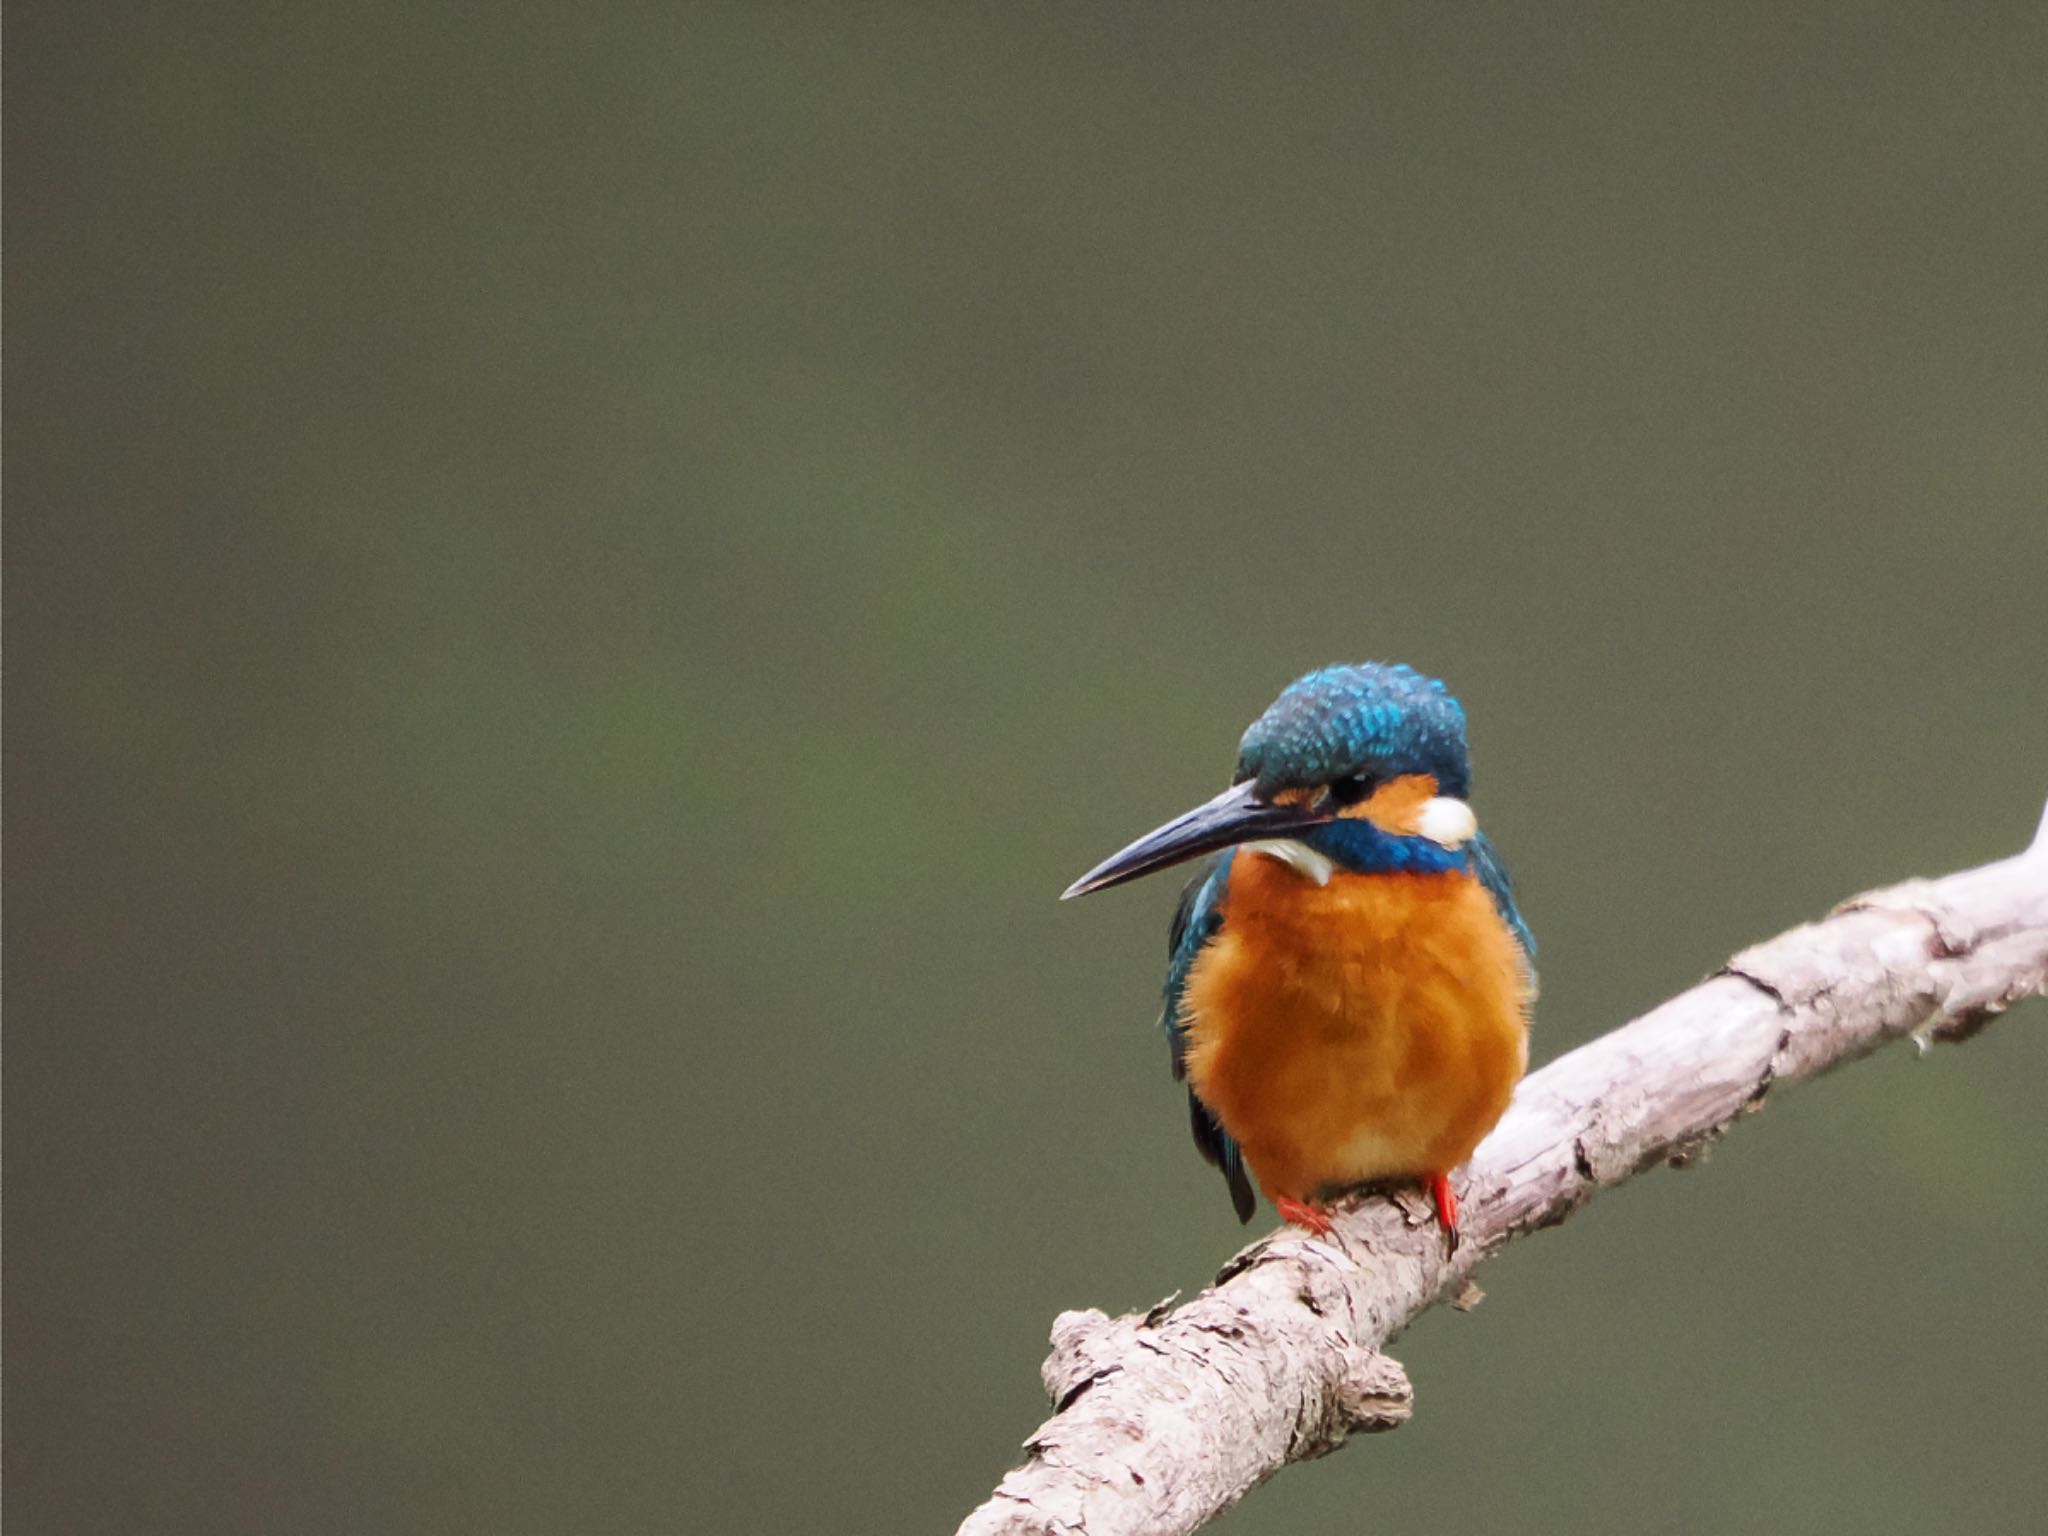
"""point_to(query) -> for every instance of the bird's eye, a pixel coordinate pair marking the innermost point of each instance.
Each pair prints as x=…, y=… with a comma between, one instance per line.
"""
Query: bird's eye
x=1353, y=789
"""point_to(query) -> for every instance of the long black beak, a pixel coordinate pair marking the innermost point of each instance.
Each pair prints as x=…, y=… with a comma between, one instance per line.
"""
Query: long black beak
x=1235, y=816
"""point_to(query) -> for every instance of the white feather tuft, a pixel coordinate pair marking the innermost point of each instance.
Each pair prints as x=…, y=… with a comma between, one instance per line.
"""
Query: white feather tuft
x=1299, y=857
x=1447, y=821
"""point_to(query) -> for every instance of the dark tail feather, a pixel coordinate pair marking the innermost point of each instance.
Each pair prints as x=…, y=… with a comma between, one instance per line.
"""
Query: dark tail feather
x=1216, y=1144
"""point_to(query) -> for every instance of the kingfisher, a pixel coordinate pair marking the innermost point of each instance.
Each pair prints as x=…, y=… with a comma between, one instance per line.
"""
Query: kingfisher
x=1349, y=980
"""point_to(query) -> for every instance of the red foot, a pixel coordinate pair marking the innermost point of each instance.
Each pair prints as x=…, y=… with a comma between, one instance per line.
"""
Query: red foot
x=1302, y=1214
x=1446, y=1201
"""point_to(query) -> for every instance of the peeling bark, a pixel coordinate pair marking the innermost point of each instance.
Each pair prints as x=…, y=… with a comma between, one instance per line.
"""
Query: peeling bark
x=1162, y=1420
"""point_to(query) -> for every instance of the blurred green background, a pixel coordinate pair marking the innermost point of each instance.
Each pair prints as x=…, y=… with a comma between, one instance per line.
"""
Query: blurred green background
x=578, y=580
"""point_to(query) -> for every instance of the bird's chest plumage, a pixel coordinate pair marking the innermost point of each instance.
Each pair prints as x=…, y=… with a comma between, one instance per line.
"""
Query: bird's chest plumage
x=1369, y=1028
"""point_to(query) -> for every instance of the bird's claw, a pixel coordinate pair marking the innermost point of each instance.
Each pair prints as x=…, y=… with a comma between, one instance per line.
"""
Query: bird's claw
x=1302, y=1213
x=1445, y=1199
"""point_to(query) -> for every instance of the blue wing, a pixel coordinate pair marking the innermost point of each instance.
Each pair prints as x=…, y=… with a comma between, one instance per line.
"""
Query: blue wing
x=1197, y=920
x=1493, y=874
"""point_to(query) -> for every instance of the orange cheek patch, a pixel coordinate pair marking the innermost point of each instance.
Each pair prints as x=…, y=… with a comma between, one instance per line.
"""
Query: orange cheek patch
x=1396, y=806
x=1297, y=797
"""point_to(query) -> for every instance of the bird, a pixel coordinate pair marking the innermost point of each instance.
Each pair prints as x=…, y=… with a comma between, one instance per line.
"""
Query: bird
x=1350, y=981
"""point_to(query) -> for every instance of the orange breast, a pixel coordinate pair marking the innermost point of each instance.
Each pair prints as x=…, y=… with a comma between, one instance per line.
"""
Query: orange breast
x=1367, y=1029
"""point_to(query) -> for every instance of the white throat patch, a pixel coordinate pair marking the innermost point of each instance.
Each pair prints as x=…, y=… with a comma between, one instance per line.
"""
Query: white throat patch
x=1299, y=857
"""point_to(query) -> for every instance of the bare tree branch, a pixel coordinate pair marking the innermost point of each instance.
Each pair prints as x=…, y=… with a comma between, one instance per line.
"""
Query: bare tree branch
x=1161, y=1421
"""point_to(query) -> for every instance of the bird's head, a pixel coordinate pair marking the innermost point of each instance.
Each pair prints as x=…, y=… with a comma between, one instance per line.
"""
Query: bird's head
x=1374, y=742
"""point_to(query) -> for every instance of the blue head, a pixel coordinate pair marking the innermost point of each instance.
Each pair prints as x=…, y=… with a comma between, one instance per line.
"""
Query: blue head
x=1366, y=763
x=1344, y=728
